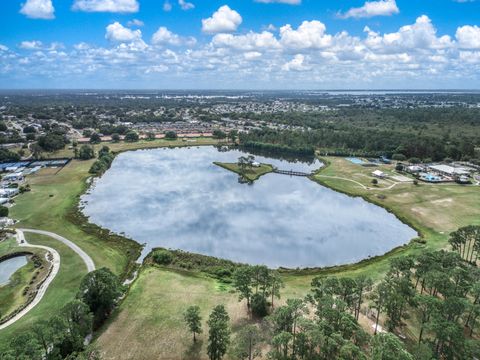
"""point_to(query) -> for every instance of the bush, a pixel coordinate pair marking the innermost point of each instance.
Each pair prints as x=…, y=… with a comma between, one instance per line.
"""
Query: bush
x=399, y=167
x=219, y=134
x=86, y=152
x=3, y=211
x=162, y=257
x=374, y=181
x=399, y=157
x=258, y=305
x=115, y=137
x=95, y=139
x=131, y=136
x=171, y=135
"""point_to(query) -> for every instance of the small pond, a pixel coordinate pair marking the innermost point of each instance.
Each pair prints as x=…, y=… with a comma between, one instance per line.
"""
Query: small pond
x=177, y=198
x=9, y=267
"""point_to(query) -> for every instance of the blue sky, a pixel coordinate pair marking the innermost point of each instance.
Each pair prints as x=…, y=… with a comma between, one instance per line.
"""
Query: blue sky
x=269, y=44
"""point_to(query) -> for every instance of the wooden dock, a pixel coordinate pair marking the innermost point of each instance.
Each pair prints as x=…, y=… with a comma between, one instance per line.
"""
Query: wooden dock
x=291, y=172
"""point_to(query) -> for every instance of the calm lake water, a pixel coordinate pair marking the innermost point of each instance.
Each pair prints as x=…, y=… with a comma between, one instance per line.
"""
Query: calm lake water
x=177, y=198
x=8, y=268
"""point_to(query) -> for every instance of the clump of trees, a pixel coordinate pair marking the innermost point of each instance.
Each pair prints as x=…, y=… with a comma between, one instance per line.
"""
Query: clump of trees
x=219, y=134
x=63, y=335
x=171, y=135
x=438, y=290
x=466, y=241
x=3, y=211
x=7, y=155
x=52, y=141
x=86, y=152
x=131, y=136
x=257, y=285
x=105, y=159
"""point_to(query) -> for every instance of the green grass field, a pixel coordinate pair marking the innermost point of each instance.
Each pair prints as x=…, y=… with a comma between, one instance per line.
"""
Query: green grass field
x=251, y=174
x=62, y=290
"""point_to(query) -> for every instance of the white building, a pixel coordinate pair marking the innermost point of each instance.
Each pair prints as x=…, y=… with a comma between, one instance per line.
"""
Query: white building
x=8, y=192
x=449, y=170
x=379, y=174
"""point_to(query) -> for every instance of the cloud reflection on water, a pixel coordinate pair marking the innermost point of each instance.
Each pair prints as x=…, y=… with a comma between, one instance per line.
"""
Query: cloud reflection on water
x=176, y=198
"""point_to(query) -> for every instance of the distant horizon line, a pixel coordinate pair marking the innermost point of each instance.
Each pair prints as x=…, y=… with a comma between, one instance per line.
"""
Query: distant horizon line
x=243, y=89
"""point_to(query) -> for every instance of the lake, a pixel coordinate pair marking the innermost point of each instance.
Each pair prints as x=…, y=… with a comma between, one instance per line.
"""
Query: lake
x=178, y=199
x=9, y=267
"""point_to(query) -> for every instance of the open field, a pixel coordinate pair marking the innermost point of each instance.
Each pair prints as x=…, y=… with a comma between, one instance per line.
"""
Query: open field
x=251, y=174
x=154, y=328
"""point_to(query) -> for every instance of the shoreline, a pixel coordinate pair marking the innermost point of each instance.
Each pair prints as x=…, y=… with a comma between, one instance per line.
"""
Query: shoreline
x=304, y=271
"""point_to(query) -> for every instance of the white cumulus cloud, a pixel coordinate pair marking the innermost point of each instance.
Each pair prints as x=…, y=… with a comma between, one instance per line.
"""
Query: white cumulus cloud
x=468, y=37
x=222, y=20
x=163, y=36
x=421, y=35
x=113, y=6
x=310, y=34
x=296, y=64
x=119, y=33
x=373, y=8
x=248, y=42
x=38, y=9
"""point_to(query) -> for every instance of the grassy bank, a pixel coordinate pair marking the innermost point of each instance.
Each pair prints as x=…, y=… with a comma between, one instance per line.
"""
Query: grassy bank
x=63, y=288
x=250, y=173
x=15, y=293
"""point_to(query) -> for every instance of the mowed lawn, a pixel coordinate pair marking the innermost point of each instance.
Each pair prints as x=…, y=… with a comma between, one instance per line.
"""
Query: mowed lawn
x=54, y=193
x=62, y=290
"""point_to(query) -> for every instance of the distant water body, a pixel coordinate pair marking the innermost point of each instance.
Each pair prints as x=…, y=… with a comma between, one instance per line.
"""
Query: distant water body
x=177, y=198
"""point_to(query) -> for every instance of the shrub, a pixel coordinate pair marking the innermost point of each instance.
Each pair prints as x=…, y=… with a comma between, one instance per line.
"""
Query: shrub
x=399, y=157
x=171, y=135
x=3, y=211
x=95, y=139
x=162, y=257
x=86, y=152
x=258, y=305
x=131, y=136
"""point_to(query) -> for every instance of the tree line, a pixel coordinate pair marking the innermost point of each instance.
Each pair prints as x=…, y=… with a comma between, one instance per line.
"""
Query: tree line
x=434, y=297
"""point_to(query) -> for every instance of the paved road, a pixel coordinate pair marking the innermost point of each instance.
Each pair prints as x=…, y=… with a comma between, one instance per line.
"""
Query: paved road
x=86, y=259
x=55, y=263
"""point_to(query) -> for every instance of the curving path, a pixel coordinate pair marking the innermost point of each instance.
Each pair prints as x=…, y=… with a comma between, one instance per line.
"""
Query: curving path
x=86, y=259
x=55, y=263
x=359, y=183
